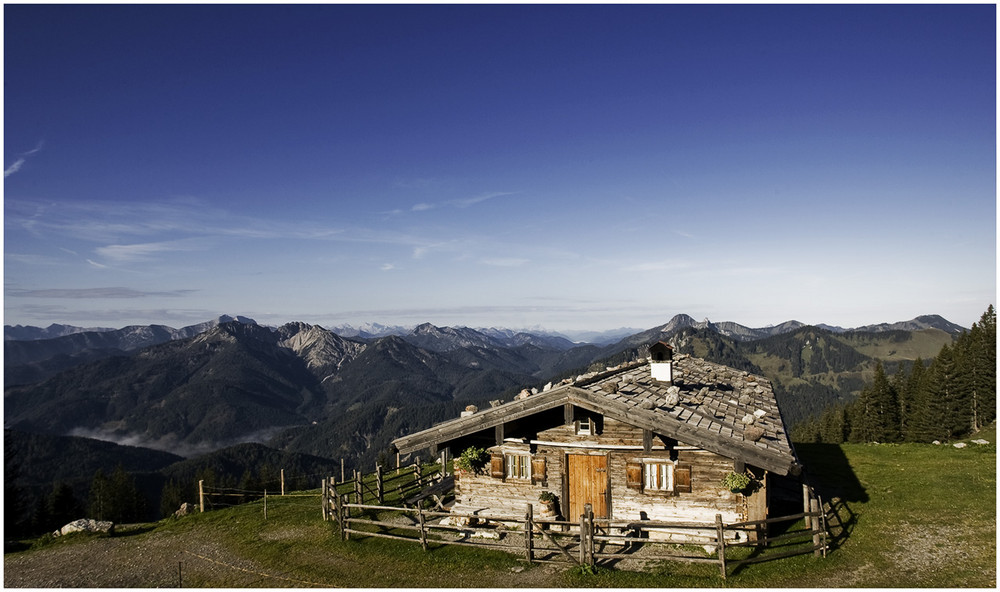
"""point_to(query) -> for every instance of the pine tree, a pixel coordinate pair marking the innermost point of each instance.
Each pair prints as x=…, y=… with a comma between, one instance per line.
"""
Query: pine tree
x=876, y=411
x=833, y=425
x=806, y=432
x=100, y=501
x=979, y=367
x=116, y=498
x=912, y=401
x=171, y=498
x=14, y=505
x=62, y=506
x=944, y=412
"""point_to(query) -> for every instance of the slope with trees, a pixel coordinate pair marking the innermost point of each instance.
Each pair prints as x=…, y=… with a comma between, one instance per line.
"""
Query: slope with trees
x=952, y=397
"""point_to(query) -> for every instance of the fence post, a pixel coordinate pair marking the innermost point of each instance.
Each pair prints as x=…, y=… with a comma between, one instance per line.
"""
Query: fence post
x=528, y=532
x=721, y=534
x=342, y=479
x=201, y=495
x=359, y=494
x=282, y=481
x=265, y=504
x=419, y=473
x=378, y=483
x=343, y=514
x=590, y=534
x=444, y=463
x=423, y=528
x=586, y=537
x=806, y=505
x=323, y=498
x=814, y=507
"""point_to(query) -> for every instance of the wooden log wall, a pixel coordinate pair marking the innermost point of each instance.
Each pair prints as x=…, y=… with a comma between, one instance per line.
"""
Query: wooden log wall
x=498, y=497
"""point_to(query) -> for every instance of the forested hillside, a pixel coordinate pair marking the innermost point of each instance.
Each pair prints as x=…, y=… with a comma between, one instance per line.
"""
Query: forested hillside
x=952, y=397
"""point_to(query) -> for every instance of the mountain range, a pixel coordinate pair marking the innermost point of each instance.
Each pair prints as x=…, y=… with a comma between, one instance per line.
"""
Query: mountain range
x=209, y=389
x=231, y=380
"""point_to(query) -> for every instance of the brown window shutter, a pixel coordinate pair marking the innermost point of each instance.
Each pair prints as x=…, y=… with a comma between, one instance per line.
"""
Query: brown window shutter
x=633, y=475
x=496, y=465
x=682, y=478
x=538, y=470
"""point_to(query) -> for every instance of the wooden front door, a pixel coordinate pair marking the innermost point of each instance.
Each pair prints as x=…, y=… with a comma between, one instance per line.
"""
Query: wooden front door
x=588, y=484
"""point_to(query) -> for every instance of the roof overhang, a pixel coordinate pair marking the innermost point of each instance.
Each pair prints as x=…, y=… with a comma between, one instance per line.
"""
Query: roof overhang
x=658, y=420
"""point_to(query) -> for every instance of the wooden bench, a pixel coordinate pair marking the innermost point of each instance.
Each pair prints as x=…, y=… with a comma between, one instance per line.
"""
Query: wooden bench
x=435, y=492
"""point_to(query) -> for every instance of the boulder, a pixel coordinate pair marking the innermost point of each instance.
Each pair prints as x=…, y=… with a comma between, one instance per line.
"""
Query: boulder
x=981, y=442
x=86, y=525
x=959, y=445
x=185, y=509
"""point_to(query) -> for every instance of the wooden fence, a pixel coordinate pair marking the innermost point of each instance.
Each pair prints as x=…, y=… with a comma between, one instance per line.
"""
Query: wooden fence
x=589, y=541
x=406, y=485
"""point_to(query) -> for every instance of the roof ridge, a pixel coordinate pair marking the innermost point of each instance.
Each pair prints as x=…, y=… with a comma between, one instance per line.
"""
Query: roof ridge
x=592, y=378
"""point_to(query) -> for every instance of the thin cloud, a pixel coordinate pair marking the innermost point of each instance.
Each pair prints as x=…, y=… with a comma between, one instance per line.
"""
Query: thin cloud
x=31, y=259
x=95, y=293
x=464, y=203
x=145, y=251
x=460, y=203
x=17, y=164
x=104, y=221
x=657, y=266
x=505, y=261
x=13, y=168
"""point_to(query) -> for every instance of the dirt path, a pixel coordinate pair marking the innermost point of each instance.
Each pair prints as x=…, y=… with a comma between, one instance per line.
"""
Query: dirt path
x=130, y=561
x=142, y=560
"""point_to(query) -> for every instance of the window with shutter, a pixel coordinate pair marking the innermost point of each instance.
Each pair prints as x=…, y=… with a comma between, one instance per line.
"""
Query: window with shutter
x=658, y=476
x=496, y=465
x=633, y=475
x=682, y=478
x=518, y=466
x=538, y=471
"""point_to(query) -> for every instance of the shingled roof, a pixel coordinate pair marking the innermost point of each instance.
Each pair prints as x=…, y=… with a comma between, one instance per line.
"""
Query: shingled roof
x=717, y=408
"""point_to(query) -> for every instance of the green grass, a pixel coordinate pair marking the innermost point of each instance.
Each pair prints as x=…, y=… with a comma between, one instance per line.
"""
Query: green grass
x=914, y=515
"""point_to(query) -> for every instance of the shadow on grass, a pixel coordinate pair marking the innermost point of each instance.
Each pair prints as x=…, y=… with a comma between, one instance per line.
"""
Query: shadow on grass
x=829, y=473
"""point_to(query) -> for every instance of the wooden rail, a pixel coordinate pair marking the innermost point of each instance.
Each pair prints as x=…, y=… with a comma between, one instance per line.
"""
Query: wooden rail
x=588, y=541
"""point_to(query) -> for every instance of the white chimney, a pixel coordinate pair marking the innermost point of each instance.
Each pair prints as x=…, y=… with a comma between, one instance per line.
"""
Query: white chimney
x=661, y=362
x=663, y=371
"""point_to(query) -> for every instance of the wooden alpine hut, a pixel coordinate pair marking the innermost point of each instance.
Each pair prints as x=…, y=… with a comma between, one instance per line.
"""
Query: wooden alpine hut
x=650, y=440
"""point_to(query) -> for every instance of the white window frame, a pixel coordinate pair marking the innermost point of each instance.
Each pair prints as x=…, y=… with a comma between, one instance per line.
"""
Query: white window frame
x=585, y=426
x=517, y=465
x=658, y=475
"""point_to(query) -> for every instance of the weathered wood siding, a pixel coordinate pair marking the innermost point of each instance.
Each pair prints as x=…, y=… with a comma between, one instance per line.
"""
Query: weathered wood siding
x=491, y=496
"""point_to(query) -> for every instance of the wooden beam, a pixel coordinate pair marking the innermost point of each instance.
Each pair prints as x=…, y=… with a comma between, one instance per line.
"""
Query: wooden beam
x=568, y=417
x=777, y=461
x=499, y=433
x=647, y=440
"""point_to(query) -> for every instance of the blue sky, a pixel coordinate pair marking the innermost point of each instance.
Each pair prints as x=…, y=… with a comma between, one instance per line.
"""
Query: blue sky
x=570, y=167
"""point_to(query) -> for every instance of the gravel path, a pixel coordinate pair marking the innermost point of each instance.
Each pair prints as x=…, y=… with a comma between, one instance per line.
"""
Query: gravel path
x=140, y=560
x=130, y=562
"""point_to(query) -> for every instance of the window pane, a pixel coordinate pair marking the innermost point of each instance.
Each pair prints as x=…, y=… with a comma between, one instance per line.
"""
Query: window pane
x=518, y=466
x=659, y=476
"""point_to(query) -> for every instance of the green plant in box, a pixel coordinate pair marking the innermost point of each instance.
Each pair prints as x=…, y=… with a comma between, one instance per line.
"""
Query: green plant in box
x=736, y=482
x=473, y=460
